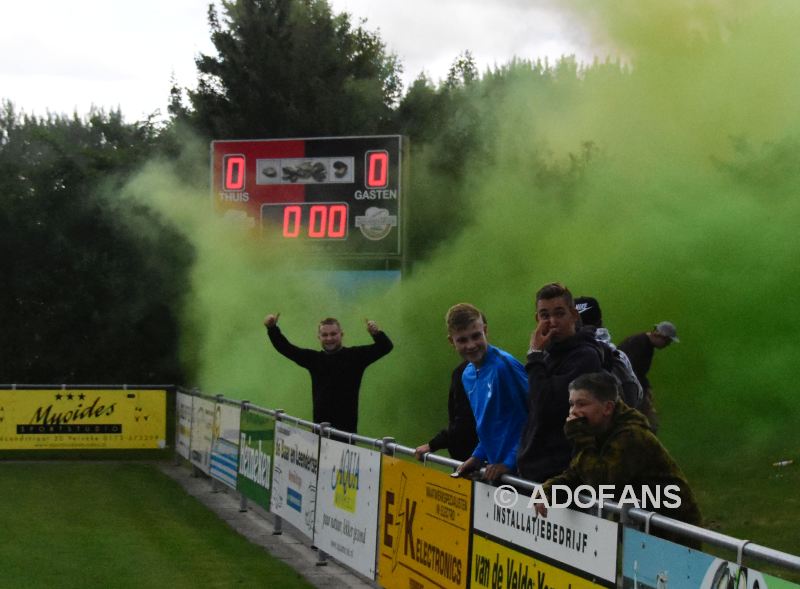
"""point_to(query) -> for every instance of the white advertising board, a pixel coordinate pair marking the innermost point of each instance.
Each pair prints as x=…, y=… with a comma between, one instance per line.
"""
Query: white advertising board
x=202, y=430
x=578, y=540
x=346, y=519
x=294, y=477
x=183, y=435
x=225, y=447
x=226, y=422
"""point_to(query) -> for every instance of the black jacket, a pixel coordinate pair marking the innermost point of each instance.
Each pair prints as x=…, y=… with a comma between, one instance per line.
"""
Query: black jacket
x=335, y=377
x=640, y=351
x=544, y=450
x=460, y=437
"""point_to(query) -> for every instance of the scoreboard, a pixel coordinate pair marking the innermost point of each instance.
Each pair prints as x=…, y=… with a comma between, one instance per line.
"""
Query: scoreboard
x=333, y=195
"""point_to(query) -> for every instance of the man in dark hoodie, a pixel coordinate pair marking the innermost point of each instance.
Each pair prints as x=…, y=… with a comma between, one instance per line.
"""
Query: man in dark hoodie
x=614, y=446
x=558, y=354
x=460, y=436
x=336, y=371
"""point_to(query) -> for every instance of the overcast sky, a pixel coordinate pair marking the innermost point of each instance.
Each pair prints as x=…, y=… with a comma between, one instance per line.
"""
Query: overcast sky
x=64, y=56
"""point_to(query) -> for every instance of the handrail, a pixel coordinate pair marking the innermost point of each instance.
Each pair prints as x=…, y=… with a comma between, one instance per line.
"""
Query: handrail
x=743, y=548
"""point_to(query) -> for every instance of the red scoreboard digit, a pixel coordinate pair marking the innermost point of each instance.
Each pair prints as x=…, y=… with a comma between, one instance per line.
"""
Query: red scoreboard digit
x=377, y=169
x=233, y=169
x=338, y=195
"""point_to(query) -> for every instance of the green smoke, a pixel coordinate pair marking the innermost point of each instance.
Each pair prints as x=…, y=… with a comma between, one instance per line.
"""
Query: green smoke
x=664, y=184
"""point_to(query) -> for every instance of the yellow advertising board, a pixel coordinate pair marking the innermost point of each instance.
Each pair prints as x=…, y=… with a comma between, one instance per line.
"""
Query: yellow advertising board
x=423, y=538
x=82, y=419
x=495, y=565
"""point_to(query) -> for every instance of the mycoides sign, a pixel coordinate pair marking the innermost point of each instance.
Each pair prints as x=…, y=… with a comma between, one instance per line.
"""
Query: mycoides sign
x=82, y=419
x=347, y=504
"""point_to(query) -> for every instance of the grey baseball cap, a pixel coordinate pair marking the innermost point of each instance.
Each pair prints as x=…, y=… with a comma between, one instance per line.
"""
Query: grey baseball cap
x=667, y=329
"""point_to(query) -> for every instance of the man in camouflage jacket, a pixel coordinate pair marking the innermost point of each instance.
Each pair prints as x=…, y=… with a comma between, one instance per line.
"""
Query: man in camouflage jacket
x=613, y=445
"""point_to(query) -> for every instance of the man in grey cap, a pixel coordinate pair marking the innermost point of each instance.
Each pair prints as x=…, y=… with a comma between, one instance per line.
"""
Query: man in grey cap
x=640, y=349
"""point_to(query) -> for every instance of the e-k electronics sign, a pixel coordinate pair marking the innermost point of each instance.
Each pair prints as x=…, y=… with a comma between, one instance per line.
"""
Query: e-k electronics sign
x=424, y=527
x=337, y=195
x=82, y=419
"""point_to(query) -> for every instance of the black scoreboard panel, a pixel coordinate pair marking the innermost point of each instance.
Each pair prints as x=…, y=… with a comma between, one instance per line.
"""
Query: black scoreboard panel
x=335, y=195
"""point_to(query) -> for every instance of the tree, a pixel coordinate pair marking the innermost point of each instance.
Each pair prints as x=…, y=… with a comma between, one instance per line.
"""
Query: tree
x=87, y=295
x=463, y=71
x=446, y=126
x=289, y=68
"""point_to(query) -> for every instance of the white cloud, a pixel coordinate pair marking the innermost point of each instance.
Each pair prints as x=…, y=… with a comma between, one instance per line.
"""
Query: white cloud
x=65, y=56
x=62, y=56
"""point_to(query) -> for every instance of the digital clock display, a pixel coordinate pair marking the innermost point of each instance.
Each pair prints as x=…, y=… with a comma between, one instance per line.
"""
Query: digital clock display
x=312, y=221
x=340, y=196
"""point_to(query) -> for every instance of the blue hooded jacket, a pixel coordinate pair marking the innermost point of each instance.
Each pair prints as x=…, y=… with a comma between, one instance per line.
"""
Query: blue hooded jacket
x=498, y=395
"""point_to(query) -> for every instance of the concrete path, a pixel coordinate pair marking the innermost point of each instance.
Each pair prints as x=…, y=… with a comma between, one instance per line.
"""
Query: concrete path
x=257, y=526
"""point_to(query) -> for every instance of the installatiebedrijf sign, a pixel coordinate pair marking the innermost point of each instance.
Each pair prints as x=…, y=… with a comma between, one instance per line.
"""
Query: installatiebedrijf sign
x=565, y=548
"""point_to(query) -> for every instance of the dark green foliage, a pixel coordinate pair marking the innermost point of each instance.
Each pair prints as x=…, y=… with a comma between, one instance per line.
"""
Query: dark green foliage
x=90, y=283
x=290, y=68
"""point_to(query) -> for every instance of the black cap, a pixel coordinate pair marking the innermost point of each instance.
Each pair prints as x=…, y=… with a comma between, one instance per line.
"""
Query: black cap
x=589, y=310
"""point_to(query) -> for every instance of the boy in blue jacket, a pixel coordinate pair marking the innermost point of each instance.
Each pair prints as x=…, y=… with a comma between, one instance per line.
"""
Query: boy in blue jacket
x=497, y=388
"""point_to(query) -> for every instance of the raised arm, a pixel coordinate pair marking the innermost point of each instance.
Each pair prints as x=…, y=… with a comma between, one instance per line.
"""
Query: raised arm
x=271, y=320
x=382, y=344
x=283, y=346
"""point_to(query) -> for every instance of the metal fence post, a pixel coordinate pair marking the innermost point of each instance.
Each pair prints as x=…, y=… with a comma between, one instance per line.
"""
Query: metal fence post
x=242, y=497
x=385, y=445
x=322, y=558
x=277, y=528
x=176, y=460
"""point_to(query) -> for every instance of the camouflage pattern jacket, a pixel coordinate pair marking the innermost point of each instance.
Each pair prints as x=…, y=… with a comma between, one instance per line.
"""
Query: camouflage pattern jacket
x=627, y=454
